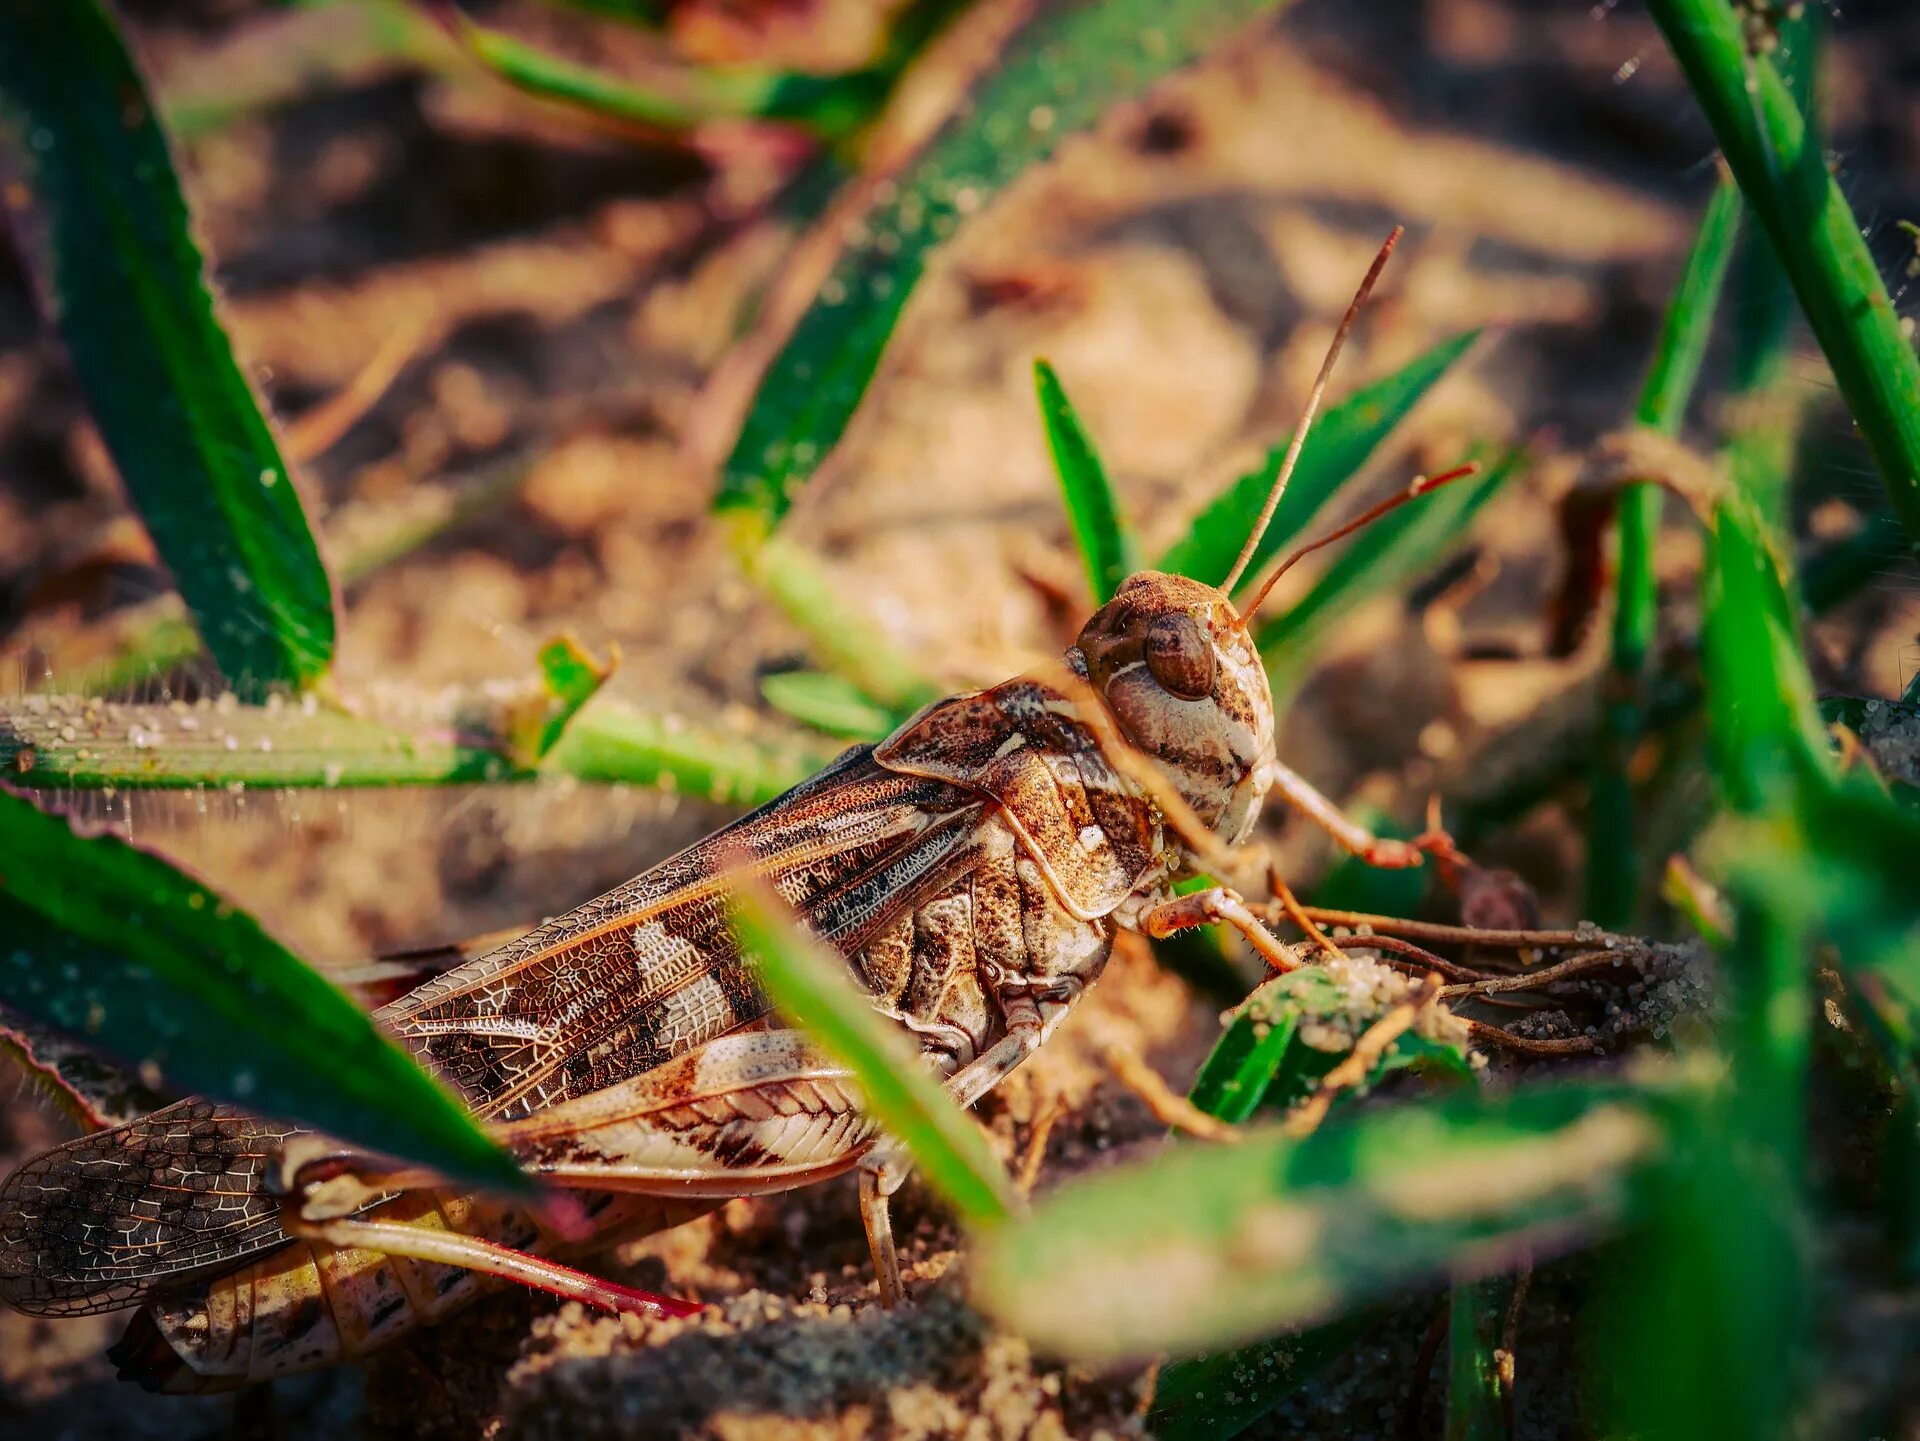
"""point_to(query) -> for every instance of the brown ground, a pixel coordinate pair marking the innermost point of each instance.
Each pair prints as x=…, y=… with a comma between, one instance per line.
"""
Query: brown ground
x=1181, y=269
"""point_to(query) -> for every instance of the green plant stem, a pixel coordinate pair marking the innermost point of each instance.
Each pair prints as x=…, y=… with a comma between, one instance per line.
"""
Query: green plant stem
x=844, y=640
x=71, y=742
x=1785, y=180
x=1613, y=860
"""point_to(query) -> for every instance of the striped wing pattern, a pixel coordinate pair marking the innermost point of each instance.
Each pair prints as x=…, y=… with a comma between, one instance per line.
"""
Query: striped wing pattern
x=590, y=999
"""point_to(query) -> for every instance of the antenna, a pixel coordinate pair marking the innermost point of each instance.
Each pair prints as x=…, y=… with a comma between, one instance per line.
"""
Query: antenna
x=1292, y=456
x=1419, y=486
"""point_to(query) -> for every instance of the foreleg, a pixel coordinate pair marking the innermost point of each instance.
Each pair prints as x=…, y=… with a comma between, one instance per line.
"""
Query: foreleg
x=1214, y=905
x=1349, y=834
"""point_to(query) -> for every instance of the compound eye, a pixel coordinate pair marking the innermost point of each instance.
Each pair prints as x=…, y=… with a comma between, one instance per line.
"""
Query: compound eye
x=1180, y=656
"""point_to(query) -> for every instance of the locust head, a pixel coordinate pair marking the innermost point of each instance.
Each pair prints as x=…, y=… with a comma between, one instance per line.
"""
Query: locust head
x=1181, y=675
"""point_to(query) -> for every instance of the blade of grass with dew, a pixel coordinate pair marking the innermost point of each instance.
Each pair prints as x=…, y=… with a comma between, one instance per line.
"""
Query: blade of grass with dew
x=77, y=743
x=1064, y=69
x=1340, y=443
x=1204, y=1247
x=112, y=943
x=828, y=703
x=811, y=986
x=1784, y=176
x=1613, y=857
x=841, y=638
x=1106, y=544
x=107, y=237
x=1385, y=555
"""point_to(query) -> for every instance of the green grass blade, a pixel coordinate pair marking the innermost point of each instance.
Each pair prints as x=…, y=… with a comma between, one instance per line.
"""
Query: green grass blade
x=1057, y=76
x=71, y=742
x=107, y=236
x=1765, y=725
x=1204, y=1247
x=810, y=985
x=828, y=703
x=1613, y=857
x=1106, y=544
x=1783, y=174
x=111, y=943
x=1243, y=1062
x=1340, y=443
x=1387, y=554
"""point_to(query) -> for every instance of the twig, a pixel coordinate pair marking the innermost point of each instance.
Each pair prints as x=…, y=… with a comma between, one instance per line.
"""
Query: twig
x=1527, y=1046
x=1465, y=935
x=1529, y=980
x=1035, y=1154
x=1290, y=907
x=1417, y=958
x=1168, y=1106
x=318, y=430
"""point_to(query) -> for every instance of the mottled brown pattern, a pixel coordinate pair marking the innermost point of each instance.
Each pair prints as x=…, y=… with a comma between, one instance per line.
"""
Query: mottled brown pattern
x=973, y=868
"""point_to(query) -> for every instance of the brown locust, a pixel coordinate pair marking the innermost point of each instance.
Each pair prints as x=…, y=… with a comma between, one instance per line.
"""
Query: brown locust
x=973, y=869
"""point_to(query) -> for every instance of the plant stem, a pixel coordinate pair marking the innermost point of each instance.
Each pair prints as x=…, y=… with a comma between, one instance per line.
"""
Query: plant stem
x=845, y=641
x=1784, y=176
x=1613, y=861
x=79, y=743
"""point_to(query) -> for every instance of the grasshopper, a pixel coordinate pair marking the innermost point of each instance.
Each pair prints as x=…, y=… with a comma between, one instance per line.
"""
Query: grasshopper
x=973, y=868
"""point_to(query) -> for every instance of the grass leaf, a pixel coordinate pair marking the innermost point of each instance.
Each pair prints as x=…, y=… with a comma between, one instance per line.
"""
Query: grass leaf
x=1203, y=1247
x=107, y=236
x=1783, y=173
x=112, y=943
x=1106, y=545
x=1340, y=443
x=841, y=637
x=810, y=985
x=72, y=742
x=1760, y=695
x=1064, y=69
x=828, y=703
